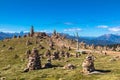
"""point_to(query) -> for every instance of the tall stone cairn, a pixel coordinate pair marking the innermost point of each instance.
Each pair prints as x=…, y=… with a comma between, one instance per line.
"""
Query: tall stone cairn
x=88, y=65
x=34, y=62
x=31, y=31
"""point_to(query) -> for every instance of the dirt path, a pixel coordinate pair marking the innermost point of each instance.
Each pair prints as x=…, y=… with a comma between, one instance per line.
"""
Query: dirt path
x=112, y=53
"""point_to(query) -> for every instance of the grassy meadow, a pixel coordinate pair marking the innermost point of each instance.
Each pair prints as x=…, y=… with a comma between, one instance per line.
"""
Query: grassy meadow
x=13, y=62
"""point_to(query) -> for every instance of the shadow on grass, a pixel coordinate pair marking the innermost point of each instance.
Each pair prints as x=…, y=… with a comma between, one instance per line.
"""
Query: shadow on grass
x=103, y=71
x=51, y=66
x=97, y=71
x=45, y=67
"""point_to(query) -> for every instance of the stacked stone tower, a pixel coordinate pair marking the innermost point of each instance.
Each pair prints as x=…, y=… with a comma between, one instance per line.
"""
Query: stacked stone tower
x=32, y=31
x=88, y=65
x=34, y=60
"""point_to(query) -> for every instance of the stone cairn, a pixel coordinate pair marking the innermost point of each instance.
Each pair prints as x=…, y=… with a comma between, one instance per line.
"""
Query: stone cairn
x=118, y=48
x=88, y=65
x=51, y=44
x=24, y=36
x=14, y=36
x=48, y=54
x=34, y=62
x=69, y=48
x=28, y=43
x=67, y=54
x=78, y=54
x=28, y=52
x=10, y=48
x=40, y=46
x=3, y=45
x=19, y=37
x=48, y=64
x=55, y=55
x=62, y=54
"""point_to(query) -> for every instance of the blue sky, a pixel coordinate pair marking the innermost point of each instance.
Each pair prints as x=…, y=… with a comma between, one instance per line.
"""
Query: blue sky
x=88, y=17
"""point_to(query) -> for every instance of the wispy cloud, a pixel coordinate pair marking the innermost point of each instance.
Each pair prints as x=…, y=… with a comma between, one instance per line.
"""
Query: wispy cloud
x=72, y=29
x=68, y=23
x=12, y=31
x=7, y=31
x=114, y=29
x=102, y=26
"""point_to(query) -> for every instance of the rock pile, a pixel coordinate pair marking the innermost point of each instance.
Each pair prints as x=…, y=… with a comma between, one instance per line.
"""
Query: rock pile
x=48, y=54
x=55, y=55
x=48, y=64
x=28, y=43
x=88, y=65
x=28, y=52
x=34, y=61
x=10, y=48
x=67, y=54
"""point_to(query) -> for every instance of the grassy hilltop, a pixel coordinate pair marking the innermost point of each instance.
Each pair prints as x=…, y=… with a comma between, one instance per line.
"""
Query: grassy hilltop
x=13, y=62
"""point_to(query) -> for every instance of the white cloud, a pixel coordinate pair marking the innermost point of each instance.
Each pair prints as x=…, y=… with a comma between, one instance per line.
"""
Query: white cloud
x=68, y=23
x=6, y=31
x=12, y=31
x=72, y=29
x=102, y=26
x=114, y=29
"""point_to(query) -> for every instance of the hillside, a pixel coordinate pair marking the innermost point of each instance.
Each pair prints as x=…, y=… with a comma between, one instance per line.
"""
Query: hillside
x=107, y=39
x=13, y=61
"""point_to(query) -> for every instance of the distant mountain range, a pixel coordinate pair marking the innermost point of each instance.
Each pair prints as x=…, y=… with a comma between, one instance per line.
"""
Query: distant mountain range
x=107, y=39
x=110, y=37
x=4, y=35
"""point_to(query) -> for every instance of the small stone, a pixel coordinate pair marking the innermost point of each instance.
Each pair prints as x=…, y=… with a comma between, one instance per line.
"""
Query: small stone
x=3, y=78
x=3, y=45
x=69, y=66
x=26, y=70
x=10, y=48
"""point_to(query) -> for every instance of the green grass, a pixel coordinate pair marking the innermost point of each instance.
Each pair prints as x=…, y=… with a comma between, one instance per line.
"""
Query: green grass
x=14, y=72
